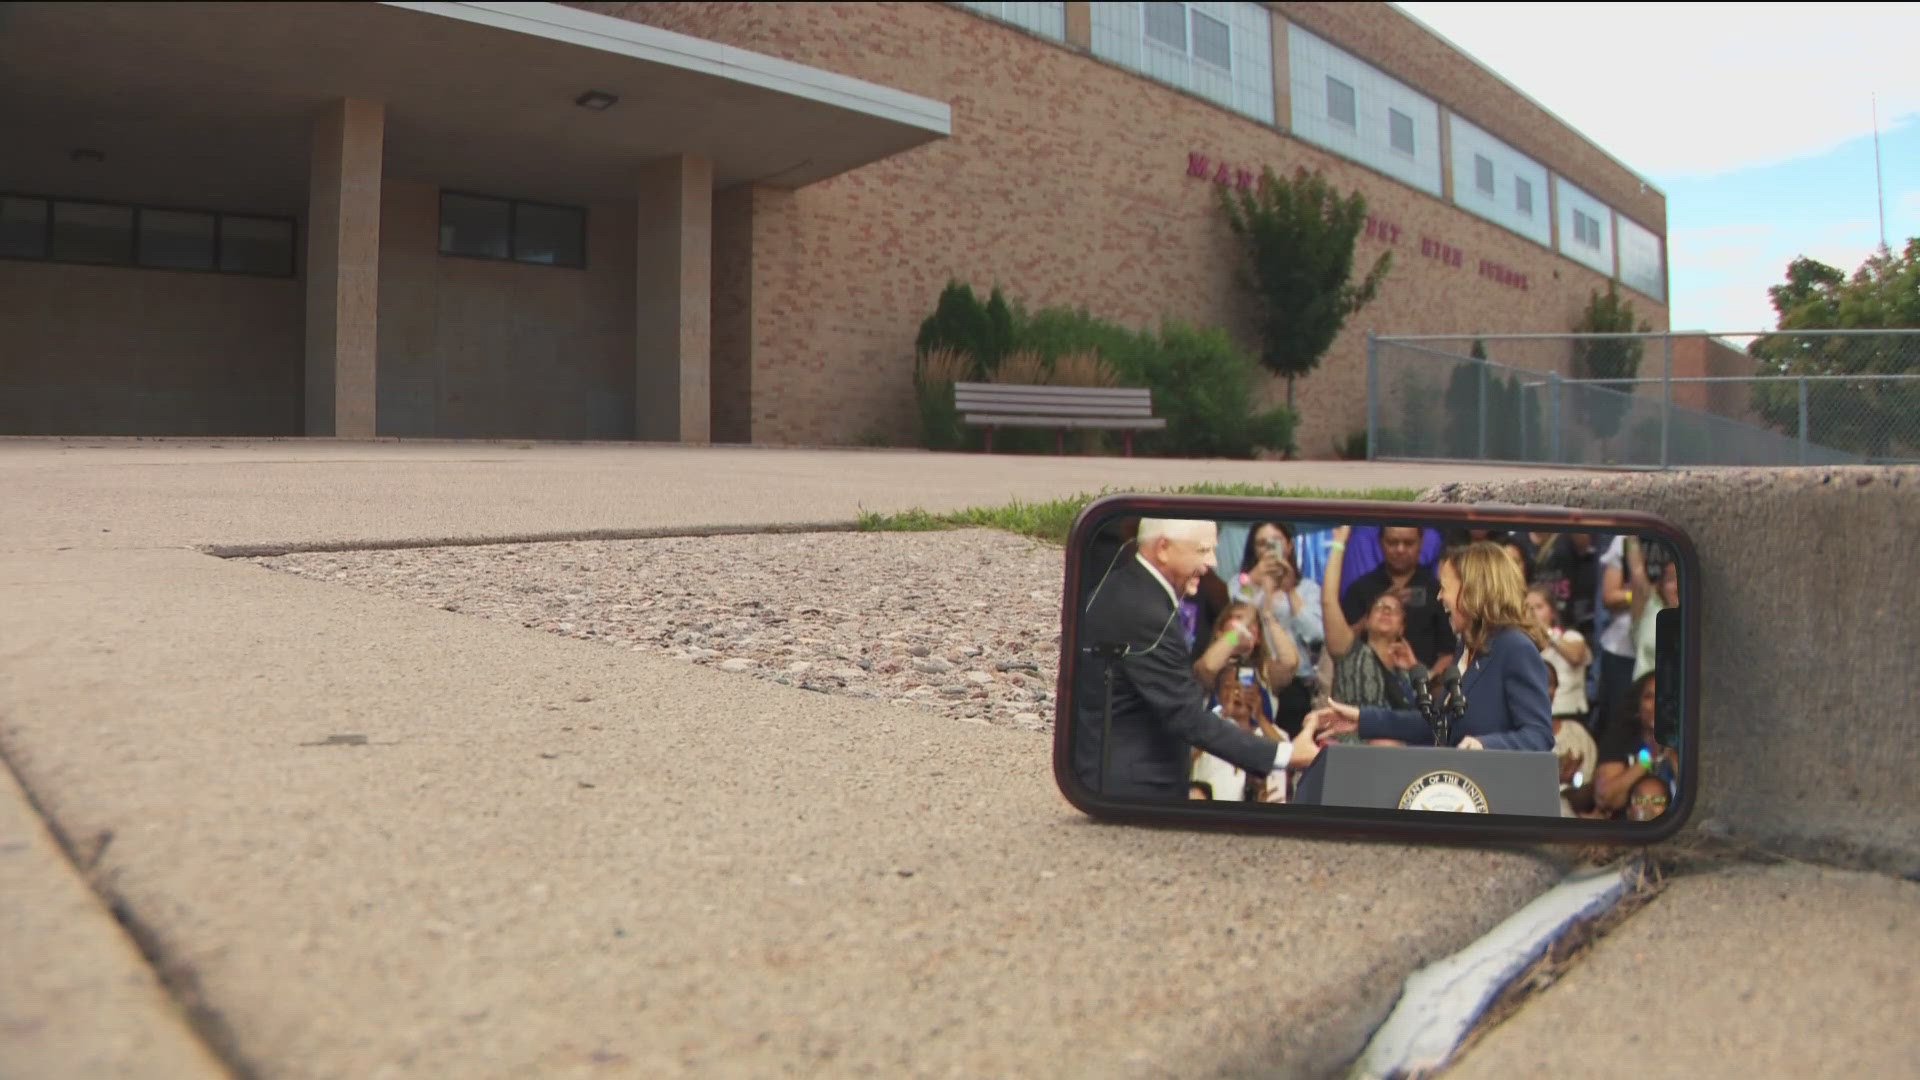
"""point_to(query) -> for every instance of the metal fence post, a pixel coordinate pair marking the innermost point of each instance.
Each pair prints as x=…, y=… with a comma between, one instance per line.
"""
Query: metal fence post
x=1525, y=451
x=1373, y=397
x=1666, y=400
x=1553, y=414
x=1483, y=410
x=1803, y=419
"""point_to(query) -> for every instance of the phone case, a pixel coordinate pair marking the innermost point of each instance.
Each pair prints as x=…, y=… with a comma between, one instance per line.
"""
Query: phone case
x=1677, y=661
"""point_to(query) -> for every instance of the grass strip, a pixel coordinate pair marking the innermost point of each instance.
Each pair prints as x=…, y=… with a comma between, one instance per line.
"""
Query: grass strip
x=1051, y=519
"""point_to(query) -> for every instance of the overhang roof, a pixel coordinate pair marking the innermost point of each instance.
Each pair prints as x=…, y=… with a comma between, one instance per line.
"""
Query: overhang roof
x=480, y=94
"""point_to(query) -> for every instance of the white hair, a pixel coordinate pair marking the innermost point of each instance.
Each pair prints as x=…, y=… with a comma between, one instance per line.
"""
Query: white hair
x=1191, y=529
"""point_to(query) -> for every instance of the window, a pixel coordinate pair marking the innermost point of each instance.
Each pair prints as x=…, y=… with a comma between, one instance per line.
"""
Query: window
x=1212, y=41
x=1174, y=25
x=256, y=245
x=118, y=234
x=1523, y=196
x=483, y=227
x=1400, y=131
x=1167, y=24
x=1339, y=102
x=176, y=239
x=1586, y=230
x=23, y=227
x=92, y=233
x=1483, y=174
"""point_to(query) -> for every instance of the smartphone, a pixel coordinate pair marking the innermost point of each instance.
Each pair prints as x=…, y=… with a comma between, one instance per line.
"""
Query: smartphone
x=1476, y=758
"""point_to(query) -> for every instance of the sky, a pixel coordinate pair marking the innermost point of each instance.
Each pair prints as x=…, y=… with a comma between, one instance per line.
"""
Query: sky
x=1755, y=120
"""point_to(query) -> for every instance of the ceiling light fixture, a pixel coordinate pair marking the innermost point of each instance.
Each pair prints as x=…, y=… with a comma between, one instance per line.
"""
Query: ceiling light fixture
x=597, y=100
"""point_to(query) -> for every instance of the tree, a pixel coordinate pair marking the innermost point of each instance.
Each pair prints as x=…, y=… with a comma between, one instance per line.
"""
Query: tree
x=1871, y=418
x=1299, y=236
x=1607, y=358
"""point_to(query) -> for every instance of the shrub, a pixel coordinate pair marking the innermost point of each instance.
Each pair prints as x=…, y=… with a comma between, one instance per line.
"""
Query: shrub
x=934, y=373
x=960, y=322
x=1353, y=447
x=1205, y=387
x=1023, y=367
x=1084, y=369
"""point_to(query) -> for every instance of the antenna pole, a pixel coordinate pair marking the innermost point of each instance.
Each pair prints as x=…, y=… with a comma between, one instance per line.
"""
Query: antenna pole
x=1879, y=181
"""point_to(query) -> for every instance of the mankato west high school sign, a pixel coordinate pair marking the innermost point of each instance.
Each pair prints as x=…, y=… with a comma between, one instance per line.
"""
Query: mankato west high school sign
x=1202, y=167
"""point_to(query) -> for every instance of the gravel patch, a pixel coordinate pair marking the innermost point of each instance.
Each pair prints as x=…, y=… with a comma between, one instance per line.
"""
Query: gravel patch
x=964, y=623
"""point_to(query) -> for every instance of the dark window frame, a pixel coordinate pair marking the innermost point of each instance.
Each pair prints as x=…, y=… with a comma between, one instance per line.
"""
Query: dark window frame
x=1483, y=169
x=1352, y=121
x=513, y=223
x=133, y=248
x=1193, y=40
x=1413, y=140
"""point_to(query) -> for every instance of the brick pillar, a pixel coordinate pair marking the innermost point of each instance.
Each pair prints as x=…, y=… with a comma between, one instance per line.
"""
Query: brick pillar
x=1282, y=74
x=673, y=301
x=1446, y=154
x=1079, y=24
x=343, y=268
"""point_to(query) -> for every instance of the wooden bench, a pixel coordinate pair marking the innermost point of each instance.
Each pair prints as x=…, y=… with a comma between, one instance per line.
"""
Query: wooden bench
x=997, y=405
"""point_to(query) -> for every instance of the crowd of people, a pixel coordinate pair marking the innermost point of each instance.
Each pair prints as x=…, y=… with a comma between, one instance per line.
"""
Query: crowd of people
x=1315, y=635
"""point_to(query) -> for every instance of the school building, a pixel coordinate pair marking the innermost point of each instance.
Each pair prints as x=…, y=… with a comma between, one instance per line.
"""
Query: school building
x=722, y=222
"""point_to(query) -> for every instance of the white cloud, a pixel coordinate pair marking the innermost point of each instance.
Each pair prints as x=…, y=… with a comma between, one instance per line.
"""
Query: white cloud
x=1700, y=89
x=1721, y=274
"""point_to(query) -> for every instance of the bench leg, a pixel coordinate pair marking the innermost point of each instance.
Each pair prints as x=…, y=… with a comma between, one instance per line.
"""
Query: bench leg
x=1127, y=437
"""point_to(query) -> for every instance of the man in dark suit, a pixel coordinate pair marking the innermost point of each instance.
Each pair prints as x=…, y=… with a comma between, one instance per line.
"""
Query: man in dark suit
x=1138, y=742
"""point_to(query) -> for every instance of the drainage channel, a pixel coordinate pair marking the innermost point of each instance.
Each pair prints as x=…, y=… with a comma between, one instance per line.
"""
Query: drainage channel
x=1444, y=1005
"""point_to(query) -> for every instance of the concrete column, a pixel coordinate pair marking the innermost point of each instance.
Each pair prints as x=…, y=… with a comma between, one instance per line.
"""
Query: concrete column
x=343, y=268
x=673, y=301
x=1282, y=74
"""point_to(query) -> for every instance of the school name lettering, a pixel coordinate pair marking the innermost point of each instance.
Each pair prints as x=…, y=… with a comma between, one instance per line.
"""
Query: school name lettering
x=1203, y=167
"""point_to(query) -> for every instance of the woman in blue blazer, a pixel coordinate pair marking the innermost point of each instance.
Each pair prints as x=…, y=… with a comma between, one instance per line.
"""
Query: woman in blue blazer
x=1503, y=676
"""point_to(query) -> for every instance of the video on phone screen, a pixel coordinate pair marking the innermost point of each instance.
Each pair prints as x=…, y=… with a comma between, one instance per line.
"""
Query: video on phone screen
x=1394, y=667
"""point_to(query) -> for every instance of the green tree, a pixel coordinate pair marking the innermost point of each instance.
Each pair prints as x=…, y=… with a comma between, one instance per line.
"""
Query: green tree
x=1607, y=358
x=1299, y=235
x=1870, y=418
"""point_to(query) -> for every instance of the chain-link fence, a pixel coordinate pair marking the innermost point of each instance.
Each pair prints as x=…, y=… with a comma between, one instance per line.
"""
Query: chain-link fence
x=1647, y=401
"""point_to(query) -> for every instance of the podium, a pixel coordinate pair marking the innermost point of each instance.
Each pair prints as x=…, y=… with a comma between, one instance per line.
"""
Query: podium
x=1433, y=778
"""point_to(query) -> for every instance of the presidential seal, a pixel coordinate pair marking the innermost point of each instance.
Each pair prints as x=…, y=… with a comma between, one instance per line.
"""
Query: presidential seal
x=1445, y=791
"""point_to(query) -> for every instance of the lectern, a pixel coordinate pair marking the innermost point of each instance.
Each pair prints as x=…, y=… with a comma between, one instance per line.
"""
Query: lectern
x=1433, y=778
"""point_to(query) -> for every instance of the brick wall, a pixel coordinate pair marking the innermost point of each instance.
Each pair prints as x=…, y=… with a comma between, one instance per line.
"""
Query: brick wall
x=1065, y=182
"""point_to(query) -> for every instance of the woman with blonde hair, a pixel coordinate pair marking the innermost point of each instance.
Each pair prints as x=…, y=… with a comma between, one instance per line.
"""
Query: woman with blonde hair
x=1502, y=675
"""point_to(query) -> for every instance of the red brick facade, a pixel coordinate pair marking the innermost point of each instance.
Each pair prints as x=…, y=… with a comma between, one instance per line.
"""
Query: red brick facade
x=1067, y=181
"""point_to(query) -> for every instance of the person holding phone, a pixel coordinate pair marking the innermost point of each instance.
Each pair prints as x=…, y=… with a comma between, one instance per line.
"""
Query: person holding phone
x=1372, y=662
x=1288, y=603
x=1247, y=641
x=1502, y=675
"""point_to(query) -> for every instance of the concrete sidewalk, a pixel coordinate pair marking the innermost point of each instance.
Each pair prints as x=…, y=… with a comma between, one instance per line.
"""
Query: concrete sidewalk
x=372, y=839
x=1740, y=972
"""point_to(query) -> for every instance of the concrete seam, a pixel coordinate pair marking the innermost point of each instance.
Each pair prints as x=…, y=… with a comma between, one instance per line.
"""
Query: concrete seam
x=256, y=551
x=178, y=981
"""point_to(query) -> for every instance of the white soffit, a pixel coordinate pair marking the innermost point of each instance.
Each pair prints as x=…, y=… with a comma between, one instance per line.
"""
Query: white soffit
x=556, y=22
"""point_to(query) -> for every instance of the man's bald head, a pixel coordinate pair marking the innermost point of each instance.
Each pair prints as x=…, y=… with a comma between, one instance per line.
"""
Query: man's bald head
x=1180, y=548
